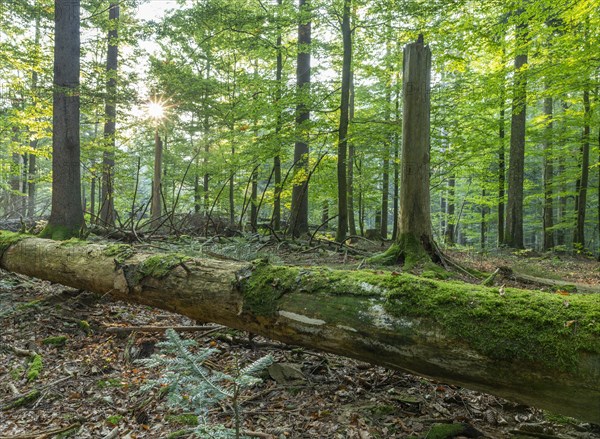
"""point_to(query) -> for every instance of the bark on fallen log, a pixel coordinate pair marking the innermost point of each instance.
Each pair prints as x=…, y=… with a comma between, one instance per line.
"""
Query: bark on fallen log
x=535, y=348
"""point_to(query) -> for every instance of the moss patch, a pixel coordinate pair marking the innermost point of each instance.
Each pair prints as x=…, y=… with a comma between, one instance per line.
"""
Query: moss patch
x=520, y=325
x=59, y=340
x=8, y=239
x=23, y=401
x=267, y=284
x=408, y=251
x=444, y=431
x=160, y=265
x=59, y=233
x=120, y=252
x=35, y=367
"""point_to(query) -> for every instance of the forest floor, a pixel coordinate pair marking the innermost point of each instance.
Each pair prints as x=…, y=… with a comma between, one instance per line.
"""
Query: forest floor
x=88, y=382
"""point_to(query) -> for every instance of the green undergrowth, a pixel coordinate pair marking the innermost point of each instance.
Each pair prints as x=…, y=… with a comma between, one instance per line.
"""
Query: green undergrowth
x=518, y=325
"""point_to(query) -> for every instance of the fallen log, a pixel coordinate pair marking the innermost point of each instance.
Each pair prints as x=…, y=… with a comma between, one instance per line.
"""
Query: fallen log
x=531, y=347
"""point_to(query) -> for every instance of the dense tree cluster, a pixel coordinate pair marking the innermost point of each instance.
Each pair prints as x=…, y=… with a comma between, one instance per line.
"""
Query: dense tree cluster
x=289, y=114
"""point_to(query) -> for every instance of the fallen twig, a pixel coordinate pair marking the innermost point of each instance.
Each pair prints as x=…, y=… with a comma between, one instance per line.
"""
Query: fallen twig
x=129, y=329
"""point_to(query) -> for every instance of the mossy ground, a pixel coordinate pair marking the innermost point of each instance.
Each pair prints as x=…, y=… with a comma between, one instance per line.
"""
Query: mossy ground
x=408, y=251
x=59, y=233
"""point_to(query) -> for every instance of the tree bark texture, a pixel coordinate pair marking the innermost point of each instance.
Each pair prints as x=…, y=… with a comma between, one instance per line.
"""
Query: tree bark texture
x=156, y=205
x=526, y=346
x=342, y=226
x=513, y=236
x=66, y=217
x=107, y=206
x=414, y=219
x=299, y=208
x=548, y=213
x=579, y=238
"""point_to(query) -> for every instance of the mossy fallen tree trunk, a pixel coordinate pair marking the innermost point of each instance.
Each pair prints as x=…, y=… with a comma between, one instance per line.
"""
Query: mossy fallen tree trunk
x=536, y=348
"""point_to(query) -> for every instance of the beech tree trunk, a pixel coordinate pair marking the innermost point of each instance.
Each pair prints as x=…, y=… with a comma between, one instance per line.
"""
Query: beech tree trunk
x=526, y=346
x=66, y=216
x=581, y=198
x=548, y=212
x=342, y=223
x=107, y=206
x=299, y=208
x=513, y=236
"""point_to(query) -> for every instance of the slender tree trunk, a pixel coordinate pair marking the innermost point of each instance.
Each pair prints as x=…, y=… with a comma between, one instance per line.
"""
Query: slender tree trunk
x=516, y=171
x=232, y=189
x=254, y=202
x=107, y=209
x=206, y=132
x=501, y=177
x=299, y=208
x=66, y=217
x=450, y=233
x=483, y=224
x=342, y=228
x=562, y=199
x=579, y=238
x=16, y=178
x=325, y=215
x=548, y=216
x=156, y=206
x=351, y=160
x=278, y=125
x=32, y=167
x=396, y=162
x=361, y=201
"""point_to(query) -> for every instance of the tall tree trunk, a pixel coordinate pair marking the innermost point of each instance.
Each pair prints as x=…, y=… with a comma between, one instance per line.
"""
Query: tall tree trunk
x=32, y=167
x=516, y=171
x=501, y=176
x=66, y=217
x=16, y=177
x=396, y=161
x=206, y=132
x=156, y=206
x=299, y=208
x=351, y=160
x=414, y=244
x=450, y=232
x=483, y=223
x=107, y=209
x=579, y=238
x=342, y=226
x=548, y=216
x=254, y=201
x=232, y=189
x=276, y=220
x=562, y=199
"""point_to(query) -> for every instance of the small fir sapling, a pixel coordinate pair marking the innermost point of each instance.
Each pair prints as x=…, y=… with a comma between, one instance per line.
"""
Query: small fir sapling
x=191, y=385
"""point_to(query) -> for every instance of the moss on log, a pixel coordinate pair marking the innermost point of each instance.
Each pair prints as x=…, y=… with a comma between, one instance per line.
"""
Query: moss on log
x=532, y=347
